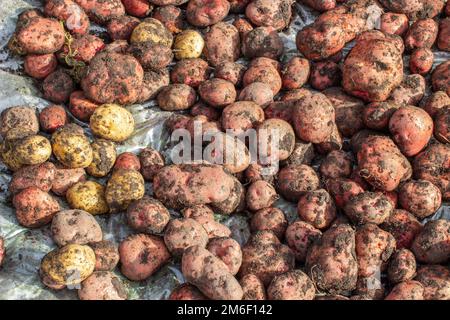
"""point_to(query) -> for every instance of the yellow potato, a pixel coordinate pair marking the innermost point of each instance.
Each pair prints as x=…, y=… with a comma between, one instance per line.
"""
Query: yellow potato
x=112, y=122
x=8, y=156
x=88, y=196
x=152, y=30
x=188, y=44
x=71, y=147
x=104, y=157
x=69, y=265
x=124, y=186
x=33, y=149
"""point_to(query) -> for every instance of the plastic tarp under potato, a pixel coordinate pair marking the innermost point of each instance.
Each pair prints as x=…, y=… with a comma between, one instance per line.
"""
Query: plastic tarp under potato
x=19, y=276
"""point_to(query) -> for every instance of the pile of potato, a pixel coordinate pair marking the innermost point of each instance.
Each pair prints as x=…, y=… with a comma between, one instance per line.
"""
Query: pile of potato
x=364, y=147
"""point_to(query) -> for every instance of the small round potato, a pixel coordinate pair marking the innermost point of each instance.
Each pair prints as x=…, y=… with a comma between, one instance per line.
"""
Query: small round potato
x=33, y=149
x=19, y=116
x=325, y=74
x=104, y=157
x=127, y=160
x=222, y=44
x=137, y=8
x=176, y=97
x=420, y=197
x=75, y=227
x=112, y=122
x=58, y=86
x=336, y=164
x=276, y=139
x=258, y=92
x=39, y=66
x=106, y=255
x=262, y=42
x=421, y=61
x=217, y=92
x=296, y=73
x=292, y=285
x=183, y=233
x=394, y=23
x=152, y=30
x=52, y=117
x=368, y=207
x=69, y=265
x=71, y=147
x=272, y=219
x=263, y=73
x=151, y=161
x=299, y=237
x=190, y=71
x=295, y=180
x=147, y=215
x=260, y=194
x=402, y=266
x=269, y=13
x=253, y=288
x=188, y=44
x=123, y=187
x=81, y=107
x=228, y=250
x=203, y=13
x=241, y=116
x=230, y=71
x=88, y=196
x=65, y=178
x=41, y=176
x=102, y=285
x=404, y=226
x=317, y=208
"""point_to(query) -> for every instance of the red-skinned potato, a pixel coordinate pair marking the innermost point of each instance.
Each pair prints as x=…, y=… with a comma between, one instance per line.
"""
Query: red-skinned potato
x=150, y=55
x=376, y=115
x=222, y=44
x=176, y=97
x=243, y=26
x=325, y=74
x=217, y=92
x=262, y=42
x=171, y=17
x=253, y=288
x=122, y=27
x=295, y=73
x=436, y=281
x=421, y=61
x=228, y=250
x=150, y=161
x=303, y=153
x=186, y=291
x=127, y=160
x=368, y=207
x=203, y=13
x=321, y=5
x=81, y=107
x=52, y=117
x=263, y=73
x=102, y=11
x=269, y=13
x=421, y=34
x=154, y=81
x=181, y=234
x=343, y=190
x=317, y=208
x=74, y=17
x=336, y=164
x=411, y=129
x=82, y=48
x=271, y=219
x=39, y=66
x=415, y=9
x=403, y=226
x=241, y=116
x=420, y=197
x=106, y=255
x=260, y=194
x=65, y=178
x=394, y=23
x=443, y=41
x=136, y=261
x=402, y=266
x=431, y=245
x=137, y=8
x=442, y=125
x=295, y=180
x=268, y=132
x=292, y=285
x=300, y=236
x=440, y=79
x=23, y=117
x=102, y=285
x=258, y=92
x=230, y=71
x=190, y=71
x=58, y=86
x=147, y=215
x=40, y=176
x=408, y=290
x=202, y=109
x=410, y=91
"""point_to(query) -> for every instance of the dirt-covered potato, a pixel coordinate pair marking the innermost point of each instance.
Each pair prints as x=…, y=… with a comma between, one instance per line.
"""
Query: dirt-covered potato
x=258, y=92
x=262, y=42
x=202, y=109
x=112, y=122
x=443, y=41
x=188, y=44
x=292, y=285
x=243, y=26
x=415, y=9
x=402, y=266
x=205, y=216
x=101, y=11
x=52, y=117
x=75, y=227
x=276, y=14
x=403, y=226
x=260, y=194
x=236, y=201
x=336, y=164
x=394, y=23
x=440, y=79
x=102, y=285
x=123, y=187
x=272, y=219
x=71, y=147
x=19, y=116
x=106, y=255
x=442, y=125
x=88, y=196
x=191, y=72
x=38, y=35
x=325, y=74
x=276, y=139
x=303, y=153
x=58, y=86
x=150, y=55
x=222, y=44
x=265, y=257
x=253, y=288
x=104, y=157
x=431, y=245
x=436, y=282
x=382, y=164
x=81, y=107
x=137, y=8
x=39, y=66
x=171, y=17
x=176, y=97
x=421, y=61
x=331, y=261
x=68, y=265
x=117, y=46
x=294, y=180
x=376, y=115
x=228, y=250
x=40, y=176
x=127, y=160
x=152, y=30
x=368, y=207
x=181, y=234
x=122, y=27
x=217, y=92
x=82, y=48
x=230, y=71
x=34, y=207
x=410, y=91
x=186, y=291
x=75, y=19
x=154, y=81
x=150, y=162
x=241, y=116
x=408, y=290
x=32, y=149
x=300, y=236
x=421, y=34
x=141, y=255
x=373, y=83
x=295, y=73
x=203, y=13
x=65, y=178
x=147, y=215
x=317, y=208
x=420, y=197
x=264, y=73
x=113, y=78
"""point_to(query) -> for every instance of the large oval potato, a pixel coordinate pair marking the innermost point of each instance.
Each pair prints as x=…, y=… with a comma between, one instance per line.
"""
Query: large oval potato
x=71, y=147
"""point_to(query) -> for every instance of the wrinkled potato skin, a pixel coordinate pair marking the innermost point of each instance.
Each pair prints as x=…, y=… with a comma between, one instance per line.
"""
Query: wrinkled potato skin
x=368, y=207
x=88, y=196
x=421, y=61
x=381, y=163
x=295, y=180
x=408, y=290
x=300, y=236
x=181, y=234
x=253, y=288
x=112, y=122
x=40, y=176
x=147, y=215
x=106, y=255
x=403, y=226
x=80, y=106
x=292, y=285
x=265, y=257
x=436, y=282
x=210, y=275
x=71, y=147
x=394, y=23
x=104, y=157
x=186, y=291
x=271, y=219
x=217, y=92
x=75, y=227
x=331, y=262
x=123, y=187
x=431, y=245
x=317, y=208
x=260, y=194
x=222, y=44
x=65, y=178
x=191, y=72
x=141, y=255
x=102, y=285
x=228, y=250
x=262, y=42
x=203, y=13
x=19, y=116
x=60, y=264
x=176, y=97
x=402, y=266
x=421, y=34
x=34, y=207
x=420, y=197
